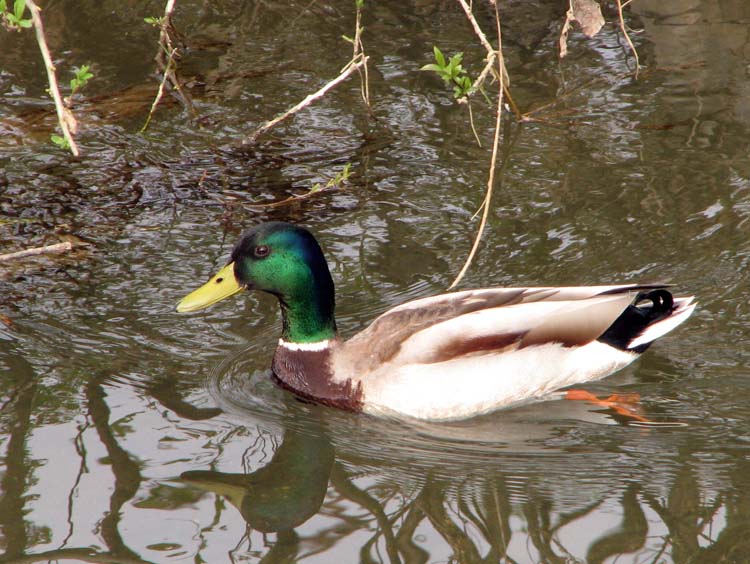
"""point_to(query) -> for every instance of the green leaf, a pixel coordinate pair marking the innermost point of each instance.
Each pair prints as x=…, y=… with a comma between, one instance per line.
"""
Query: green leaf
x=3, y=6
x=18, y=7
x=359, y=4
x=25, y=23
x=432, y=67
x=343, y=175
x=347, y=38
x=462, y=86
x=438, y=56
x=83, y=74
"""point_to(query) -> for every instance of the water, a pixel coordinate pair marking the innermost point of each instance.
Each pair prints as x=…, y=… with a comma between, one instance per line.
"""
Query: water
x=132, y=433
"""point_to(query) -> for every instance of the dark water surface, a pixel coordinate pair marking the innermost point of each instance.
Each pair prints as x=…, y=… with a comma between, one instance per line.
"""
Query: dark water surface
x=131, y=433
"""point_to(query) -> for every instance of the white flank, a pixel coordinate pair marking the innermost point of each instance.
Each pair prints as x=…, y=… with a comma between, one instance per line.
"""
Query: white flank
x=317, y=346
x=473, y=385
x=653, y=332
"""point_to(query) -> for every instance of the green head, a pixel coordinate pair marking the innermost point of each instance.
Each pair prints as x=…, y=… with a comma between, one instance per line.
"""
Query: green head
x=286, y=261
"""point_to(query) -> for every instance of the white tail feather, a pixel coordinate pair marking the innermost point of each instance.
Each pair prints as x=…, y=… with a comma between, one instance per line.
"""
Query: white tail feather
x=683, y=308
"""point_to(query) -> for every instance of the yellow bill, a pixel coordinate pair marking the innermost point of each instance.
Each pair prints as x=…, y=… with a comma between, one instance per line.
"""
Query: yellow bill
x=221, y=286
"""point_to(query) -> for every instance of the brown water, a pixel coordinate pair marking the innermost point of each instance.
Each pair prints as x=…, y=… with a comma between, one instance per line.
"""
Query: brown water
x=131, y=433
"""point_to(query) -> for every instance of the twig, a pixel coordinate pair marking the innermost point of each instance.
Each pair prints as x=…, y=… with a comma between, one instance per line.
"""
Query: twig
x=478, y=30
x=165, y=40
x=351, y=67
x=65, y=118
x=491, y=54
x=168, y=9
x=495, y=144
x=359, y=50
x=168, y=67
x=289, y=200
x=56, y=248
x=159, y=92
x=513, y=106
x=570, y=16
x=624, y=29
x=473, y=129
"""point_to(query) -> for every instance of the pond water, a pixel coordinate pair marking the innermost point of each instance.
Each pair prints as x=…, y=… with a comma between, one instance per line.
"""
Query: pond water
x=131, y=433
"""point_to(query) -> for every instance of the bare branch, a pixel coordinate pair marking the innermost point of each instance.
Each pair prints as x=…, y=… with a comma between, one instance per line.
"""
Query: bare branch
x=495, y=145
x=563, y=41
x=160, y=91
x=353, y=66
x=624, y=29
x=359, y=50
x=478, y=30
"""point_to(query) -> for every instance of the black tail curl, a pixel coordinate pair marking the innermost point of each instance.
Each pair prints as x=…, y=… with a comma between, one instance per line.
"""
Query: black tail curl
x=647, y=308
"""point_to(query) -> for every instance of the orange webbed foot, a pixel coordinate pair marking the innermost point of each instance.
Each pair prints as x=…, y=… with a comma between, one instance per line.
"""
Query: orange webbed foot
x=625, y=405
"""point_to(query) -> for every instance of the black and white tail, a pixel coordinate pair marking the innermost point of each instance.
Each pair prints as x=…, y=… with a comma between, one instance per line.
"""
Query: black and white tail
x=651, y=315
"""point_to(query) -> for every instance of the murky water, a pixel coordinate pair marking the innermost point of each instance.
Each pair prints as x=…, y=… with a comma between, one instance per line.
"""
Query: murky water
x=131, y=433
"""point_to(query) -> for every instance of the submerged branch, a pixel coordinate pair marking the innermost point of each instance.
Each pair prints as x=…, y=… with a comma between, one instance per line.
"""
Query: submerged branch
x=56, y=248
x=65, y=117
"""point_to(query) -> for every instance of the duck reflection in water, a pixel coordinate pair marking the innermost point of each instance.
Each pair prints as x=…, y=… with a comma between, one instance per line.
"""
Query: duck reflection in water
x=281, y=495
x=303, y=479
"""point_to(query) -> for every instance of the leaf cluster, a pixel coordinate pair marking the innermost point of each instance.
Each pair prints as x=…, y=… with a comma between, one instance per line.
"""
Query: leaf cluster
x=82, y=75
x=13, y=19
x=154, y=21
x=60, y=141
x=452, y=72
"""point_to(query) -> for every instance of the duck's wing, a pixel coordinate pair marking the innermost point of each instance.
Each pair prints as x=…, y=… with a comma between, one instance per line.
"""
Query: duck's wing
x=481, y=321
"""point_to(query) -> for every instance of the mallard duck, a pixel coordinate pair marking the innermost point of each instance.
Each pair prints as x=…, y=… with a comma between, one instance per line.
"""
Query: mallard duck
x=444, y=357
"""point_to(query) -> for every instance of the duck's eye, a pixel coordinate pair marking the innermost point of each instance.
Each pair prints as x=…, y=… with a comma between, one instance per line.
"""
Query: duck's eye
x=261, y=251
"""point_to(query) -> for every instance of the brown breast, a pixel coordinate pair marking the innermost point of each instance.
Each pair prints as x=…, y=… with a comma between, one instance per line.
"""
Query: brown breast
x=309, y=375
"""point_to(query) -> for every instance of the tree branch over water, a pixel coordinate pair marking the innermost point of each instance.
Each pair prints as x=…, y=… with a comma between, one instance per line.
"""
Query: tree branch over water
x=65, y=118
x=498, y=58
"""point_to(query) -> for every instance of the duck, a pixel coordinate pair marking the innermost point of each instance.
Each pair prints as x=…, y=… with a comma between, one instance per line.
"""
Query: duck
x=439, y=358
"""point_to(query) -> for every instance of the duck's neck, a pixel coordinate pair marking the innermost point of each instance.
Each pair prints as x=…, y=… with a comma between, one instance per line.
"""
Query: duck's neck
x=308, y=313
x=303, y=361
